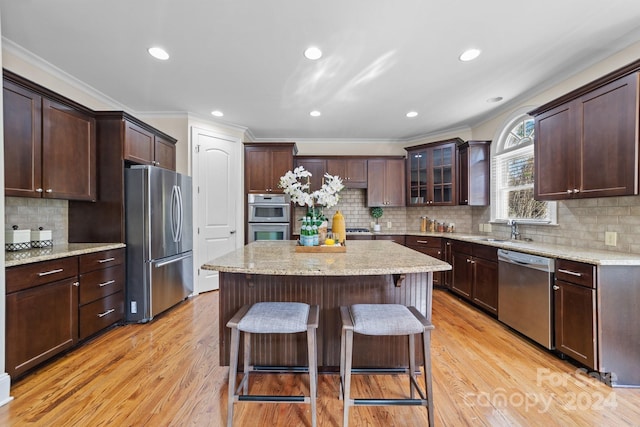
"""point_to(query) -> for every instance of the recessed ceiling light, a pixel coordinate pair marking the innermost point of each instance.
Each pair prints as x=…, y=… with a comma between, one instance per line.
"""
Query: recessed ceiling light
x=495, y=99
x=158, y=53
x=470, y=55
x=411, y=114
x=217, y=113
x=313, y=53
x=315, y=113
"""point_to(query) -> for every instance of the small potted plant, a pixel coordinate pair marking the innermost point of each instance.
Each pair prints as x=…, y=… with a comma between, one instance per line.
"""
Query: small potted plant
x=376, y=212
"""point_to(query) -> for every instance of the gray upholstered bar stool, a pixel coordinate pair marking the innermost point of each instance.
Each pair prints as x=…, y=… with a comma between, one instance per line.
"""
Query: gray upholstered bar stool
x=385, y=319
x=272, y=318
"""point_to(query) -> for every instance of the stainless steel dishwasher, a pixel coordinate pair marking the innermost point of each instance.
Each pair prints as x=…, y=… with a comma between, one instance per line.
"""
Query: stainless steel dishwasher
x=525, y=296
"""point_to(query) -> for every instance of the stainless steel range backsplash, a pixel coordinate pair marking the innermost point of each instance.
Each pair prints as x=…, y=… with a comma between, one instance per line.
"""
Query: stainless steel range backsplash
x=51, y=214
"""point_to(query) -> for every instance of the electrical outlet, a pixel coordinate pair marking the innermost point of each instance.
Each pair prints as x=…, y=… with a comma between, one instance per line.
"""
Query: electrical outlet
x=610, y=238
x=388, y=224
x=134, y=307
x=481, y=227
x=487, y=228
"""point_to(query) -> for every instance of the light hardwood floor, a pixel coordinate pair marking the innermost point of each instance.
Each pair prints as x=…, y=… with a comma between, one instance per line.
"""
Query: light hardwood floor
x=166, y=373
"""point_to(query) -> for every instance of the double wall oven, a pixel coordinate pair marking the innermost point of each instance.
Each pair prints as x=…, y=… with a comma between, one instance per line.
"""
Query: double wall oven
x=268, y=216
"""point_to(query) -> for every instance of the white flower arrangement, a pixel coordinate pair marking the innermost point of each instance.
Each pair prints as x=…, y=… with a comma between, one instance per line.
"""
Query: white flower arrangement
x=327, y=196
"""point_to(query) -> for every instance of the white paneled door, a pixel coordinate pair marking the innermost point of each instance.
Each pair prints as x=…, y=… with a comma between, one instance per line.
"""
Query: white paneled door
x=216, y=162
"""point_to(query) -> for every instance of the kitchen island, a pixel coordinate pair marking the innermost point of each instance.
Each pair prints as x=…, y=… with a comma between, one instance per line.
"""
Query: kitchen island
x=368, y=272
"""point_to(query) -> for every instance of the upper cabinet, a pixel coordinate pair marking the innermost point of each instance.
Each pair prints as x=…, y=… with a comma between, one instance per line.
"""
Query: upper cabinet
x=353, y=171
x=316, y=166
x=49, y=143
x=121, y=139
x=386, y=178
x=265, y=163
x=147, y=147
x=586, y=143
x=431, y=173
x=473, y=173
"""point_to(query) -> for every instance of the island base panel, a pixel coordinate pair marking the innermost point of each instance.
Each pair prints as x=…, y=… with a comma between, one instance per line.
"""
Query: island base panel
x=329, y=292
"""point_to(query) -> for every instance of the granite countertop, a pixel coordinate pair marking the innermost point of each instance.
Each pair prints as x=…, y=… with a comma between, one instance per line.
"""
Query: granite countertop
x=547, y=250
x=13, y=258
x=369, y=257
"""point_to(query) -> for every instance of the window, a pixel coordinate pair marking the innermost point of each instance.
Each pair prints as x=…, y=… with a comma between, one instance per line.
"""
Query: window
x=514, y=174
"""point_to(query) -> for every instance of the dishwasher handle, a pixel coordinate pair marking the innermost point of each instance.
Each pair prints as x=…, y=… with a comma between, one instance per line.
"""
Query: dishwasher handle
x=526, y=260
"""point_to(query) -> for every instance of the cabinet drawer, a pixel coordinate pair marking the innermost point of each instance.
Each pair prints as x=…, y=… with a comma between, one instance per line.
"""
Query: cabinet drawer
x=101, y=313
x=103, y=259
x=487, y=252
x=461, y=247
x=100, y=283
x=576, y=272
x=423, y=241
x=30, y=275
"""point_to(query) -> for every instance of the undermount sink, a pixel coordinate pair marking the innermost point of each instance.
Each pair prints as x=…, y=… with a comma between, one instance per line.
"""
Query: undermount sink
x=494, y=240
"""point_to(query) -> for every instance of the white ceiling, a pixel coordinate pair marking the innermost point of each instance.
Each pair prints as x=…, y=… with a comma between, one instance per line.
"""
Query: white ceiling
x=382, y=58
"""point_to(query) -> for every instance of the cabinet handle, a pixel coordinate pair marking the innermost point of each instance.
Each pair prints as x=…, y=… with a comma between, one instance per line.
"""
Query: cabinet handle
x=39, y=190
x=49, y=190
x=448, y=243
x=111, y=310
x=468, y=260
x=576, y=190
x=46, y=273
x=110, y=282
x=102, y=261
x=76, y=284
x=422, y=241
x=573, y=273
x=556, y=287
x=569, y=191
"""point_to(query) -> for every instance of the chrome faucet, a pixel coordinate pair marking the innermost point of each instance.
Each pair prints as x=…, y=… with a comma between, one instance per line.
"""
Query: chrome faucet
x=515, y=234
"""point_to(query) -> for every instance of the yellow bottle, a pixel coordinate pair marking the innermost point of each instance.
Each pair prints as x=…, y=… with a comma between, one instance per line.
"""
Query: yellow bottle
x=338, y=227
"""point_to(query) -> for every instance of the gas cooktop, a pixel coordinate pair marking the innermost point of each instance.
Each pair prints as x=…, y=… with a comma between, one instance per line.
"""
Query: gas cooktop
x=357, y=230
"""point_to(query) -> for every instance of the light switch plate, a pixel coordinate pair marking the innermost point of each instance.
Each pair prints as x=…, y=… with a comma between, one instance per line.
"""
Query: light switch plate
x=610, y=238
x=388, y=224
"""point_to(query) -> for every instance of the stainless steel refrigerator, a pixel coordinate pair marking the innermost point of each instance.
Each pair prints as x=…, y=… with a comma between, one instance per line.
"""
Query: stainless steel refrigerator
x=159, y=240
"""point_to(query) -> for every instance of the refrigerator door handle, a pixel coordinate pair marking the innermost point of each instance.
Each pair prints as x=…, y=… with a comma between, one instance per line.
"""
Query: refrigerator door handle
x=171, y=261
x=180, y=214
x=174, y=213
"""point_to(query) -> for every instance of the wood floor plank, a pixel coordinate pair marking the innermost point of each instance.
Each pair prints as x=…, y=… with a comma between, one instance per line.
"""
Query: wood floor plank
x=167, y=373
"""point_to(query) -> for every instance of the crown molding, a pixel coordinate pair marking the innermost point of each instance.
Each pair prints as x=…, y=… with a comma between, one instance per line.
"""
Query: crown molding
x=41, y=64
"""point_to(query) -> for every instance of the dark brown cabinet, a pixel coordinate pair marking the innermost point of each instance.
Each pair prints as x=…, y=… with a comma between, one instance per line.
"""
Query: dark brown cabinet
x=475, y=274
x=101, y=299
x=116, y=130
x=575, y=311
x=144, y=146
x=473, y=173
x=41, y=312
x=264, y=164
x=431, y=177
x=353, y=171
x=431, y=246
x=594, y=131
x=50, y=144
x=386, y=179
x=316, y=166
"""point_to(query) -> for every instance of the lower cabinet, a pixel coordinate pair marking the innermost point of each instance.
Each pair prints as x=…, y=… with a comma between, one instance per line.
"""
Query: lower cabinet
x=431, y=246
x=53, y=305
x=575, y=311
x=475, y=274
x=42, y=312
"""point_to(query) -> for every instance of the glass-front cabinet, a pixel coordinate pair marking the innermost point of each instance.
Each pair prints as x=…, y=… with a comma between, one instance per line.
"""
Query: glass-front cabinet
x=432, y=172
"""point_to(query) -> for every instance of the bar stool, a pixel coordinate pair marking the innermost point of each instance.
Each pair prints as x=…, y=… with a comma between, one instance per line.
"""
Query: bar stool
x=385, y=319
x=272, y=318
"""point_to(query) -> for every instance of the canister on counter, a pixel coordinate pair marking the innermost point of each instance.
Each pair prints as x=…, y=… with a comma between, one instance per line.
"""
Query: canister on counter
x=440, y=227
x=423, y=223
x=451, y=227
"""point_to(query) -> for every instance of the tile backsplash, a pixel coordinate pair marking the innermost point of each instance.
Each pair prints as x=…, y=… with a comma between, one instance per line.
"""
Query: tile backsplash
x=50, y=214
